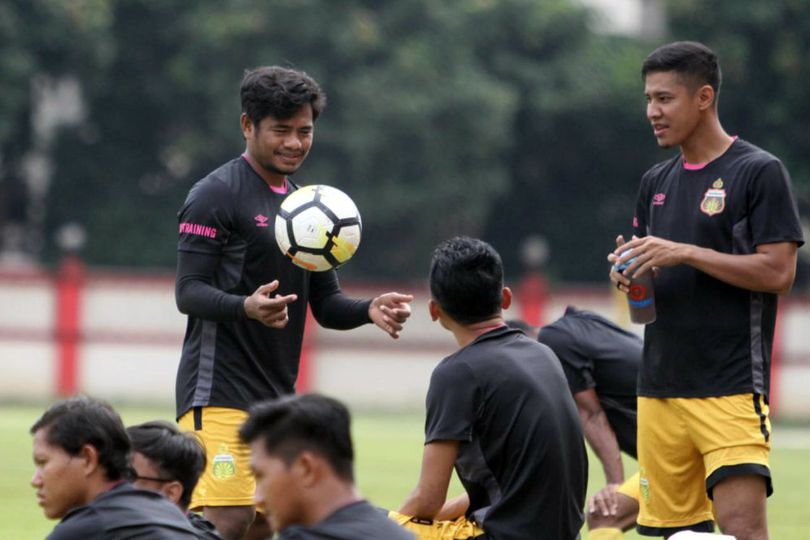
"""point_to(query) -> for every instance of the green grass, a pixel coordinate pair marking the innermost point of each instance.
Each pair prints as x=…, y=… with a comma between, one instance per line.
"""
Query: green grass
x=389, y=452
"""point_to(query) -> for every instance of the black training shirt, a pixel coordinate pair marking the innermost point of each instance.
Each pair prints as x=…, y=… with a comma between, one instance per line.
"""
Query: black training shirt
x=122, y=513
x=597, y=354
x=355, y=521
x=226, y=250
x=711, y=338
x=521, y=457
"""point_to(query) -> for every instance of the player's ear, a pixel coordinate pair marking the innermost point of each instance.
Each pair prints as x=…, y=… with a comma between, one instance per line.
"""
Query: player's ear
x=434, y=310
x=306, y=468
x=705, y=95
x=89, y=456
x=506, y=301
x=247, y=125
x=173, y=491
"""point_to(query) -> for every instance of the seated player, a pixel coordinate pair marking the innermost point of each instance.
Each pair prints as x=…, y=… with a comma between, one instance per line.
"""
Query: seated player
x=498, y=410
x=170, y=462
x=303, y=461
x=601, y=362
x=81, y=459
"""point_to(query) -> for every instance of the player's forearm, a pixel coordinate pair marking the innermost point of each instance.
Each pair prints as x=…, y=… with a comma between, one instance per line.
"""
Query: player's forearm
x=454, y=508
x=201, y=300
x=761, y=272
x=602, y=439
x=339, y=312
x=422, y=504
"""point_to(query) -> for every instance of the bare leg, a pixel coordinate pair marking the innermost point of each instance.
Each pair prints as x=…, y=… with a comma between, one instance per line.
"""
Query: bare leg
x=740, y=507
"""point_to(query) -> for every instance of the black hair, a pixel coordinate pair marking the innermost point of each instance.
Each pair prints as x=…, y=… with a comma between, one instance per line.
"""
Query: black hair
x=311, y=422
x=466, y=279
x=279, y=93
x=75, y=422
x=176, y=455
x=694, y=62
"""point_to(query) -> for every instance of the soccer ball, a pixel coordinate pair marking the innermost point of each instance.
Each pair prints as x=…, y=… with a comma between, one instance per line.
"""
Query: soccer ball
x=318, y=227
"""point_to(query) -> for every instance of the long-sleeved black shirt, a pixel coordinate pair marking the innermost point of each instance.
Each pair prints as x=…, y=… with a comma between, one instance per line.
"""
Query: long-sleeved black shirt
x=226, y=250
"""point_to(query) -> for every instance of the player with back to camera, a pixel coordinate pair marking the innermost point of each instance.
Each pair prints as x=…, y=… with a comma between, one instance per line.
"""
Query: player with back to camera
x=720, y=223
x=246, y=303
x=81, y=458
x=498, y=410
x=170, y=462
x=601, y=362
x=303, y=460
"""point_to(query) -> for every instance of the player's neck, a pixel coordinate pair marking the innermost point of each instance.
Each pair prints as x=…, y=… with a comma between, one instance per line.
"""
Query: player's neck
x=98, y=485
x=467, y=333
x=272, y=179
x=706, y=143
x=329, y=498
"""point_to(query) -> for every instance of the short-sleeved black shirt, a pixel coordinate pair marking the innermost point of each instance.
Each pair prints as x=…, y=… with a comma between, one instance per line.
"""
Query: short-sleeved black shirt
x=595, y=353
x=521, y=457
x=125, y=512
x=711, y=338
x=229, y=360
x=355, y=521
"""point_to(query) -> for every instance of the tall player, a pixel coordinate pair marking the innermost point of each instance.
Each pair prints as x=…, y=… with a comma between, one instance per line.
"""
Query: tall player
x=721, y=224
x=246, y=304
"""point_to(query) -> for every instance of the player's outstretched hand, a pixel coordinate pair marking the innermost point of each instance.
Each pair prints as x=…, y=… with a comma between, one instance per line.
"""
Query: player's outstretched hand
x=604, y=501
x=389, y=311
x=270, y=311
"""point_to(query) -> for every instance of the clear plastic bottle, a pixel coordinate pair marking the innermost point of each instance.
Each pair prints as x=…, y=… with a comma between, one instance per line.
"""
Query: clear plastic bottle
x=641, y=296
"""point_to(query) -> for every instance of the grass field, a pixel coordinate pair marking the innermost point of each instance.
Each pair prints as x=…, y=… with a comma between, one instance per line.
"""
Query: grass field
x=388, y=448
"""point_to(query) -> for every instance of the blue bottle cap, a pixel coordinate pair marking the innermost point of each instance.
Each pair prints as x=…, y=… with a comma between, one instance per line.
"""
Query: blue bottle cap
x=623, y=266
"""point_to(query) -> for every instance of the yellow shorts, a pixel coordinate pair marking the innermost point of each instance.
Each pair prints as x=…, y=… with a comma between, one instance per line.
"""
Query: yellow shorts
x=630, y=487
x=227, y=480
x=457, y=529
x=686, y=446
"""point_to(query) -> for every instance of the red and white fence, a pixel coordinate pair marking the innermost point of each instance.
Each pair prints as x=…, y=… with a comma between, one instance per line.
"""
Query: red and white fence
x=117, y=335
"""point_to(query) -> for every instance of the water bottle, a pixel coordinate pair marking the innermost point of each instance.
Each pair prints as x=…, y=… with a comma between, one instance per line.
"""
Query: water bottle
x=641, y=296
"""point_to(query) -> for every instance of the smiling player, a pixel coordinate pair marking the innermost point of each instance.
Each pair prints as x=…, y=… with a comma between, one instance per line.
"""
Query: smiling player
x=246, y=302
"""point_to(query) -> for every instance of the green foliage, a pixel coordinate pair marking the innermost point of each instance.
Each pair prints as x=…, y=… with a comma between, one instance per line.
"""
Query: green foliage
x=764, y=51
x=494, y=118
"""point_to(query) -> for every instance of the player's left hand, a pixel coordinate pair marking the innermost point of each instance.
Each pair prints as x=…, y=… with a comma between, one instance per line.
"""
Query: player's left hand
x=650, y=254
x=389, y=311
x=604, y=501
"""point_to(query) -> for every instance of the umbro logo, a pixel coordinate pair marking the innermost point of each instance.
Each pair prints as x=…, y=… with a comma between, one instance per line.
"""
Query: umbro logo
x=261, y=221
x=659, y=198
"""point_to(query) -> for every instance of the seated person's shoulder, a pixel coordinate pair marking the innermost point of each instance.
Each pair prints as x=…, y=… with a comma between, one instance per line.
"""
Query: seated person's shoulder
x=79, y=524
x=357, y=520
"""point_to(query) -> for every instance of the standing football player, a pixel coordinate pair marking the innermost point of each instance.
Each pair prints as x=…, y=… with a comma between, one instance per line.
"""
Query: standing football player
x=721, y=224
x=246, y=303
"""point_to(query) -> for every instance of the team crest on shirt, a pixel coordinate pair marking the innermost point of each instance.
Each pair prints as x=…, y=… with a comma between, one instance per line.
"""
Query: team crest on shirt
x=714, y=201
x=644, y=486
x=224, y=464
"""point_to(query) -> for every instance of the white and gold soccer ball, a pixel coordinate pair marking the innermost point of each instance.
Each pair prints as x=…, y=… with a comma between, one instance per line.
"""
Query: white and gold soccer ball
x=318, y=227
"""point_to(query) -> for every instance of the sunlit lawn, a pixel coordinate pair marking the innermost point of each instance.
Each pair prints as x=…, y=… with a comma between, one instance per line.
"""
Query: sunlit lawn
x=389, y=450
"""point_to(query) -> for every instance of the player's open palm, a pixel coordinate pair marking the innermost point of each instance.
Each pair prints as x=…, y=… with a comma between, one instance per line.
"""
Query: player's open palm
x=389, y=311
x=269, y=310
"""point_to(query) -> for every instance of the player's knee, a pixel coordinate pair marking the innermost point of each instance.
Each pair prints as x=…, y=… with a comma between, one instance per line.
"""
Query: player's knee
x=745, y=527
x=596, y=520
